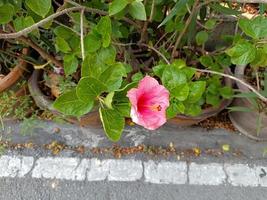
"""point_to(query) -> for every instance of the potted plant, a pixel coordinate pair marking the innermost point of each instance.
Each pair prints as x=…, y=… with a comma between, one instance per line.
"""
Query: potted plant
x=248, y=53
x=112, y=55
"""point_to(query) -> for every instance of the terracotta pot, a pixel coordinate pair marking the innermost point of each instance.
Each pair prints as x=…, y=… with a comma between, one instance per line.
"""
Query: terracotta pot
x=44, y=103
x=246, y=122
x=184, y=120
x=14, y=75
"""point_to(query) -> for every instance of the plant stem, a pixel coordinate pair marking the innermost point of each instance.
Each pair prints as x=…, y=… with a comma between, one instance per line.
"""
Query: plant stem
x=158, y=52
x=257, y=79
x=263, y=98
x=81, y=35
x=67, y=27
x=42, y=53
x=178, y=40
x=57, y=14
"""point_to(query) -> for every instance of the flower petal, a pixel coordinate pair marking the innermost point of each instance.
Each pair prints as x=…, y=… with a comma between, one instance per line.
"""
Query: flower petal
x=149, y=103
x=147, y=83
x=152, y=122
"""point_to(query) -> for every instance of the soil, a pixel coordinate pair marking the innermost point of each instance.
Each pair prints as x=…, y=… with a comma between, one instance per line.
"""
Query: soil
x=219, y=121
x=117, y=151
x=251, y=8
x=45, y=89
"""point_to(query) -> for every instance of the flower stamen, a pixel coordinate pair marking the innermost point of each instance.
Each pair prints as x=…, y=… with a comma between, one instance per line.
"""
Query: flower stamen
x=155, y=108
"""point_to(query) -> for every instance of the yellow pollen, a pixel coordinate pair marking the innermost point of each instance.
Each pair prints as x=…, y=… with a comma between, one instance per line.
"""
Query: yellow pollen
x=155, y=108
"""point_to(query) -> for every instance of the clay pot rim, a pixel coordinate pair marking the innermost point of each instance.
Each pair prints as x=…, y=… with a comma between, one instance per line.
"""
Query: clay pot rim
x=15, y=74
x=43, y=102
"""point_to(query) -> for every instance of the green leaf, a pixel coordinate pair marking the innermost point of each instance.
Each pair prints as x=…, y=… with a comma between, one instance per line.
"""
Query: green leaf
x=197, y=89
x=210, y=24
x=75, y=45
x=255, y=28
x=6, y=13
x=177, y=10
x=104, y=28
x=65, y=33
x=206, y=61
x=213, y=100
x=108, y=100
x=97, y=63
x=137, y=10
x=181, y=92
x=107, y=55
x=112, y=76
x=202, y=37
x=137, y=76
x=262, y=8
x=123, y=108
x=38, y=18
x=69, y=104
x=70, y=64
x=117, y=6
x=40, y=7
x=239, y=109
x=172, y=110
x=89, y=88
x=62, y=45
x=113, y=123
x=193, y=110
x=179, y=63
x=24, y=22
x=242, y=53
x=223, y=60
x=89, y=66
x=213, y=88
x=226, y=92
x=92, y=42
x=173, y=76
x=16, y=3
x=180, y=107
x=158, y=70
x=106, y=39
x=260, y=59
x=224, y=10
x=189, y=72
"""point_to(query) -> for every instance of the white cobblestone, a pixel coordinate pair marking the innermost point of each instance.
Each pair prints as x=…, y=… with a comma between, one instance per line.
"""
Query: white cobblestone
x=60, y=168
x=99, y=170
x=206, y=174
x=125, y=170
x=15, y=166
x=165, y=172
x=241, y=175
x=261, y=173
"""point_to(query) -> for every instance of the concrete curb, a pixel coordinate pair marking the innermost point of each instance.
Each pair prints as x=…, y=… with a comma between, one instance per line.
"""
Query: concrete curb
x=181, y=138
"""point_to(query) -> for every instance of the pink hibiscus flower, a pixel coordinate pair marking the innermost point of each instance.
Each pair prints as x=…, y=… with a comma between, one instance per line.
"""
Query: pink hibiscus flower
x=149, y=103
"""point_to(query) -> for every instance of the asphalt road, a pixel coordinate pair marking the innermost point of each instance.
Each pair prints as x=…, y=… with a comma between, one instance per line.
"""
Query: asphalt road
x=37, y=189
